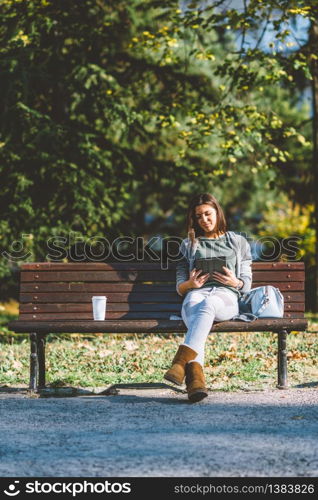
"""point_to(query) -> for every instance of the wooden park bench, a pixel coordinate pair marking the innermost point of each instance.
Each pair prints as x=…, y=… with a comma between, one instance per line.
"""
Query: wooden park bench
x=56, y=298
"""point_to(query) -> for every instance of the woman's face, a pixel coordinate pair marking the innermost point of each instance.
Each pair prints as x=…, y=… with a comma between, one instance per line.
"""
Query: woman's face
x=206, y=217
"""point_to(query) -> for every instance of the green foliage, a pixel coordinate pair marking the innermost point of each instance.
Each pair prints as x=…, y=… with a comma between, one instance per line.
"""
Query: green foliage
x=110, y=111
x=279, y=218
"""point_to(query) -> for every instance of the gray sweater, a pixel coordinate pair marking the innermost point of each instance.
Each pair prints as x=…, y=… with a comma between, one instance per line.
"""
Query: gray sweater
x=239, y=245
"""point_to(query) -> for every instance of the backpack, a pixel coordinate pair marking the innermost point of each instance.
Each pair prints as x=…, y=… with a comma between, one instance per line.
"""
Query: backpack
x=261, y=302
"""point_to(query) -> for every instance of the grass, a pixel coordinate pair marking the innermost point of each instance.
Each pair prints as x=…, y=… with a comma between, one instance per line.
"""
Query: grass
x=245, y=361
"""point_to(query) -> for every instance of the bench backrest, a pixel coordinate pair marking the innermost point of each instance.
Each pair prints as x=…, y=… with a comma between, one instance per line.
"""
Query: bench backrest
x=134, y=290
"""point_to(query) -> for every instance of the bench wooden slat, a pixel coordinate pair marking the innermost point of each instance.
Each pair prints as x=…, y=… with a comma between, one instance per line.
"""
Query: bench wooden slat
x=58, y=298
x=293, y=296
x=89, y=315
x=113, y=315
x=295, y=306
x=87, y=297
x=131, y=287
x=99, y=276
x=96, y=266
x=153, y=326
x=171, y=297
x=96, y=287
x=87, y=307
x=122, y=306
x=283, y=286
x=151, y=276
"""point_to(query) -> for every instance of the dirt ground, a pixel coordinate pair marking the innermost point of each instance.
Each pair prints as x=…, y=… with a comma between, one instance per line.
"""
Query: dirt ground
x=153, y=430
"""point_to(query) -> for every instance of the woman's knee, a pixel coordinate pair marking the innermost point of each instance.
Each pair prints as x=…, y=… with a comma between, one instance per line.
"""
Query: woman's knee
x=225, y=305
x=226, y=314
x=192, y=309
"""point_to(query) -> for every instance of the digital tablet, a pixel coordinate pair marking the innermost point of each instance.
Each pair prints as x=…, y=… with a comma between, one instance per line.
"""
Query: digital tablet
x=211, y=265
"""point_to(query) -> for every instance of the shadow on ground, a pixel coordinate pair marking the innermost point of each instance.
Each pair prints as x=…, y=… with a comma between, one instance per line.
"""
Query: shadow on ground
x=69, y=391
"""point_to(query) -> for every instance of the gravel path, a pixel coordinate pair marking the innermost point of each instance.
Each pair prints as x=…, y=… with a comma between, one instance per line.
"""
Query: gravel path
x=156, y=432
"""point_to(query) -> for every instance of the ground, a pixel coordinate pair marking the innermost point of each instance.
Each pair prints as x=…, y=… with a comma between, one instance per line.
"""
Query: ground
x=154, y=431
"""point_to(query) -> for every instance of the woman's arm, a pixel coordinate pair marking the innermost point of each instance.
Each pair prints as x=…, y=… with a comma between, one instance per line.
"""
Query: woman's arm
x=184, y=287
x=246, y=265
x=186, y=280
x=242, y=282
x=182, y=273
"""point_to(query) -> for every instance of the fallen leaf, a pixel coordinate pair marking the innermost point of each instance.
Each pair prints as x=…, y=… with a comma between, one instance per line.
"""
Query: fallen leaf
x=296, y=355
x=105, y=353
x=17, y=364
x=130, y=345
x=233, y=347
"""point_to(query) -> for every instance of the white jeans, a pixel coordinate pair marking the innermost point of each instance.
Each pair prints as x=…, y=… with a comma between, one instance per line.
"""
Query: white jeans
x=200, y=309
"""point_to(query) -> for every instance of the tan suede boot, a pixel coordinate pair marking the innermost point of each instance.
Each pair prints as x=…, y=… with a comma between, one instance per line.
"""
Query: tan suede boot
x=177, y=371
x=195, y=382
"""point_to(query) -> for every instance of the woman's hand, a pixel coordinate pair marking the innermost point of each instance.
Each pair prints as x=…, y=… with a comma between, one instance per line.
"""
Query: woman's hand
x=228, y=278
x=197, y=279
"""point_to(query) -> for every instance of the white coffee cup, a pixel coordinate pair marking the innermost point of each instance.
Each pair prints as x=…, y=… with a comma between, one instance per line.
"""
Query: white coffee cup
x=99, y=307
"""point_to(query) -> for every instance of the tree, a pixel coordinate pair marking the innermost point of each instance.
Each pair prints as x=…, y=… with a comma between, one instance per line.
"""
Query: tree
x=251, y=68
x=111, y=111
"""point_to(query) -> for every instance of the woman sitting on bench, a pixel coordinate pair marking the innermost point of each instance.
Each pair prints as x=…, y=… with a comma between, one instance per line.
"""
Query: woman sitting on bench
x=209, y=296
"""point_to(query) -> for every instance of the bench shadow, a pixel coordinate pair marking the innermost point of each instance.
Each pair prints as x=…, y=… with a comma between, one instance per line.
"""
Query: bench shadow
x=4, y=389
x=112, y=390
x=133, y=398
x=307, y=384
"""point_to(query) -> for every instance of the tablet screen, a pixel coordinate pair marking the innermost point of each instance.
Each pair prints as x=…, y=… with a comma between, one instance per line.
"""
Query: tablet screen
x=211, y=265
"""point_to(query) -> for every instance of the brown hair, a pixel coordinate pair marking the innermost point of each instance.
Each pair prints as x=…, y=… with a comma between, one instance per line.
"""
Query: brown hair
x=193, y=228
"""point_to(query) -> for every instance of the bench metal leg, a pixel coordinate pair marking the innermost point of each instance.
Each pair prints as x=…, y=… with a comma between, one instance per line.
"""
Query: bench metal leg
x=41, y=359
x=282, y=360
x=33, y=362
